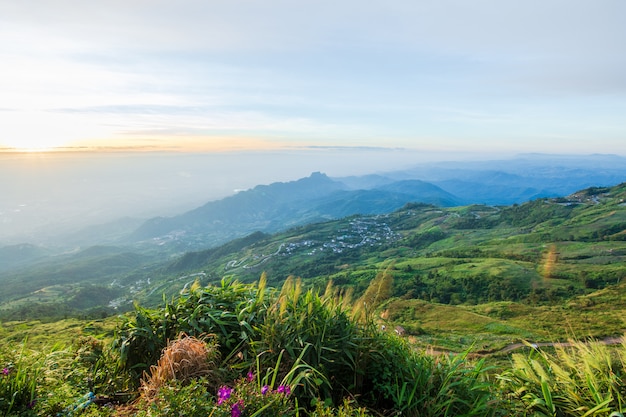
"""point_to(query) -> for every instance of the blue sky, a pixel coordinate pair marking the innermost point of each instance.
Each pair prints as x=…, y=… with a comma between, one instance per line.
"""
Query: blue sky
x=464, y=76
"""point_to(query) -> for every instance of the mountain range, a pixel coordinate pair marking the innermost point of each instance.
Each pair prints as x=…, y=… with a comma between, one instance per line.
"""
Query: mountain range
x=274, y=207
x=130, y=256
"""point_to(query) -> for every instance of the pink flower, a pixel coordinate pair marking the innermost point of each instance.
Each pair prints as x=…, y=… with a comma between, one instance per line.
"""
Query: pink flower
x=223, y=394
x=264, y=389
x=5, y=371
x=250, y=376
x=236, y=409
x=284, y=389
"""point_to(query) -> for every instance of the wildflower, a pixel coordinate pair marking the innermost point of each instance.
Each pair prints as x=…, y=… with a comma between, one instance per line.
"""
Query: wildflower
x=223, y=394
x=236, y=409
x=5, y=371
x=250, y=376
x=283, y=389
x=265, y=389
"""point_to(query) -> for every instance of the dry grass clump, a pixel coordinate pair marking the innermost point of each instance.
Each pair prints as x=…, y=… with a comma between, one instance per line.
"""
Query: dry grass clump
x=184, y=359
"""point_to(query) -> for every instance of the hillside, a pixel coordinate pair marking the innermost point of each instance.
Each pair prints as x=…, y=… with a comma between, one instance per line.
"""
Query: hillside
x=540, y=239
x=536, y=259
x=539, y=256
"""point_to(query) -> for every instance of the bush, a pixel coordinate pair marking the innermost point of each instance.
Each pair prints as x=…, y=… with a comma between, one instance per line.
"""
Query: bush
x=416, y=384
x=231, y=311
x=314, y=330
x=247, y=397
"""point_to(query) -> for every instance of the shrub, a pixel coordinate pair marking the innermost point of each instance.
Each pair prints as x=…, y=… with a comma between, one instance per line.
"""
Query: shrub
x=231, y=311
x=402, y=380
x=312, y=330
x=245, y=398
x=310, y=343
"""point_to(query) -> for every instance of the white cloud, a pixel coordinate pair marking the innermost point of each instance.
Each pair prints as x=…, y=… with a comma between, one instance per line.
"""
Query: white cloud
x=348, y=70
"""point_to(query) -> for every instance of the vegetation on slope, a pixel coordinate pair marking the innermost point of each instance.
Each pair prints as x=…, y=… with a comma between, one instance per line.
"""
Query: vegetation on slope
x=544, y=251
x=247, y=350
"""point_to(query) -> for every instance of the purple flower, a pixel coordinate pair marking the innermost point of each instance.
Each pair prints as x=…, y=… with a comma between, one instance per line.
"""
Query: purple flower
x=236, y=409
x=223, y=394
x=32, y=403
x=264, y=389
x=284, y=389
x=250, y=376
x=5, y=371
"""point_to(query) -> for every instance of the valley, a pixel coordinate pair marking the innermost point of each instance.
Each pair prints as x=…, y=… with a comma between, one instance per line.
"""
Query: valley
x=468, y=276
x=440, y=245
x=420, y=289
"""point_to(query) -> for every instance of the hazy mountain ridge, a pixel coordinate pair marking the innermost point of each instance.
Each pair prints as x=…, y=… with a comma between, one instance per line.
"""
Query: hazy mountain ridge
x=487, y=252
x=514, y=181
x=13, y=256
x=274, y=207
x=257, y=209
x=279, y=205
x=315, y=199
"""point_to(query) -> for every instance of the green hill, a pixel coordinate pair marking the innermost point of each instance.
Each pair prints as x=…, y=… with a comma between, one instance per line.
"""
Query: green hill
x=544, y=253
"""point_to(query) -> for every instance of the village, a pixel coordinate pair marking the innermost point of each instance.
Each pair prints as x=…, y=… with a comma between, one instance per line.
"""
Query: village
x=363, y=231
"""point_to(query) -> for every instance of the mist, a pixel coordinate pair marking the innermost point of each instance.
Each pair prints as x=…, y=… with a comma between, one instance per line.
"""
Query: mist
x=44, y=196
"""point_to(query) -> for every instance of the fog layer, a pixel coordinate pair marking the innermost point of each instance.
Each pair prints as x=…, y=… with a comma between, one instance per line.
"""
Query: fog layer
x=43, y=195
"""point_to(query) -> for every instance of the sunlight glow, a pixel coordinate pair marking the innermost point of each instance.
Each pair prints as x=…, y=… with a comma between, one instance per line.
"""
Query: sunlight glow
x=39, y=130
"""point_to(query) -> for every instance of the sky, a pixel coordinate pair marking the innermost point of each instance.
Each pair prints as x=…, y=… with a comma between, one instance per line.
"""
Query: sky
x=434, y=76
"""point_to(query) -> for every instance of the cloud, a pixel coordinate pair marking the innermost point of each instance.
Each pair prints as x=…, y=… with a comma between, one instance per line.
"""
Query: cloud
x=313, y=70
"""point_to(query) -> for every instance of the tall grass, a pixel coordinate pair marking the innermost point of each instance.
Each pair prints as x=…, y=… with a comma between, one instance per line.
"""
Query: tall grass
x=231, y=311
x=311, y=343
x=18, y=382
x=403, y=381
x=577, y=379
x=28, y=377
x=313, y=329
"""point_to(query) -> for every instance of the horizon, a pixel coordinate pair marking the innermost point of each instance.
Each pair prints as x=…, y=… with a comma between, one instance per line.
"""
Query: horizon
x=55, y=193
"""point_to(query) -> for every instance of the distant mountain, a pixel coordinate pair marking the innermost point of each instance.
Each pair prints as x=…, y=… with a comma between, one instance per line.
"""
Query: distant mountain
x=274, y=207
x=14, y=256
x=517, y=180
x=365, y=182
x=278, y=206
x=423, y=192
x=260, y=208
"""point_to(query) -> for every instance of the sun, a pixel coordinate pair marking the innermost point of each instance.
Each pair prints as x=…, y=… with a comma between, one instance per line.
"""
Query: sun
x=33, y=132
x=30, y=144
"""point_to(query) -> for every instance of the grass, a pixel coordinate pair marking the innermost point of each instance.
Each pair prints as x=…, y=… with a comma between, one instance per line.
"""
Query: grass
x=306, y=343
x=492, y=326
x=580, y=379
x=184, y=359
x=466, y=285
x=62, y=332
